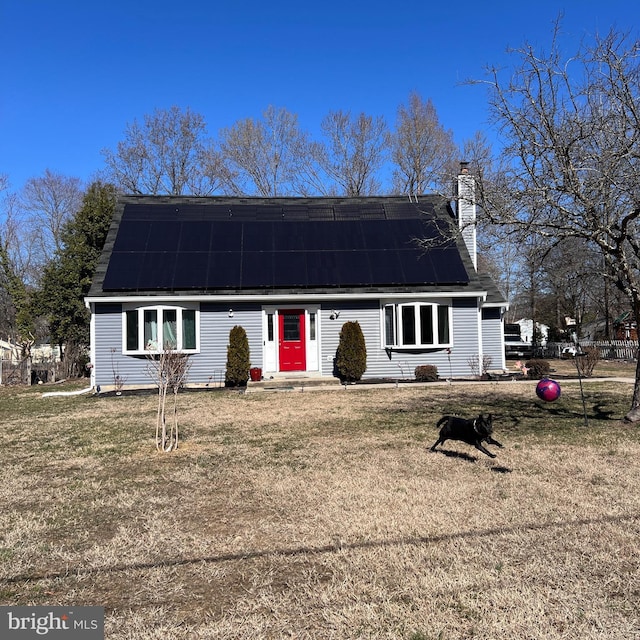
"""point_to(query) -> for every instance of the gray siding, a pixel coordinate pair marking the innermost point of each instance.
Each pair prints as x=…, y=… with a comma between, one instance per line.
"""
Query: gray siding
x=208, y=366
x=215, y=324
x=492, y=337
x=401, y=363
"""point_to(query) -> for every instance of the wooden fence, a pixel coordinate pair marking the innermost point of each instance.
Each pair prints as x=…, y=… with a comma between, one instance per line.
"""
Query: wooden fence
x=609, y=349
x=15, y=372
x=26, y=372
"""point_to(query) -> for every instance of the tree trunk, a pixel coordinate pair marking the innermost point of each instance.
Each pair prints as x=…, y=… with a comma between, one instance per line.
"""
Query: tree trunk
x=634, y=413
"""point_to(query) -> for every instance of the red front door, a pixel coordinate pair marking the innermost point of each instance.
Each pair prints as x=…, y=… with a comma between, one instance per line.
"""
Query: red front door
x=292, y=340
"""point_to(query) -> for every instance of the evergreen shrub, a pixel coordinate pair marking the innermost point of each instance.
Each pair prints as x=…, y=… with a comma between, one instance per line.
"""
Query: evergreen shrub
x=351, y=356
x=238, y=358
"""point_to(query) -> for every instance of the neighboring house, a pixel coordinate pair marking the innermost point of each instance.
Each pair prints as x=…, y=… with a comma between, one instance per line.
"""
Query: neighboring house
x=625, y=327
x=526, y=331
x=182, y=271
x=9, y=351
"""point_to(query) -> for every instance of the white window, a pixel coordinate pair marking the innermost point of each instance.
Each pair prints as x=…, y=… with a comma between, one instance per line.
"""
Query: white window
x=414, y=325
x=161, y=328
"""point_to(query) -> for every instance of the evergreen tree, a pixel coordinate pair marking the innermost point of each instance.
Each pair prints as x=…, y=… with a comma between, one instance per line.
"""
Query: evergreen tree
x=19, y=319
x=67, y=279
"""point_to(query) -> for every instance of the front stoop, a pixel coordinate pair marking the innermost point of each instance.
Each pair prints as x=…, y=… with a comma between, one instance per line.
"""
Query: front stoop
x=291, y=380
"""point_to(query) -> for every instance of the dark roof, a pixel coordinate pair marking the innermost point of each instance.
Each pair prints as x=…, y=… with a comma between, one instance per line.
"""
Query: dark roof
x=221, y=244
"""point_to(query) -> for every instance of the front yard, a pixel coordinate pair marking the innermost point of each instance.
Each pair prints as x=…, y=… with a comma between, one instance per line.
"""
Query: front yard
x=322, y=514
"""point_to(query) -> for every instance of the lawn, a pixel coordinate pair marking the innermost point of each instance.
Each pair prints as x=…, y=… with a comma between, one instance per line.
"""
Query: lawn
x=323, y=514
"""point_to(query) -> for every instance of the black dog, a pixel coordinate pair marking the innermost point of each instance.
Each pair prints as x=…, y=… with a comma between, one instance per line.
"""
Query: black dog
x=472, y=432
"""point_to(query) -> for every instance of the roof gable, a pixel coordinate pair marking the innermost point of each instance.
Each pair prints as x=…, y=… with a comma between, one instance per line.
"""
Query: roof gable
x=224, y=244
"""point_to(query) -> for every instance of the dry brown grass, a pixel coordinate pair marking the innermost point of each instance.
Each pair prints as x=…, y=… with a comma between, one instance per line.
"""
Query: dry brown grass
x=323, y=515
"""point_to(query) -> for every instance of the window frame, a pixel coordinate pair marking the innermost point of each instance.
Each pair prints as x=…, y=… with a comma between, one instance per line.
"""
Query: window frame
x=162, y=312
x=414, y=318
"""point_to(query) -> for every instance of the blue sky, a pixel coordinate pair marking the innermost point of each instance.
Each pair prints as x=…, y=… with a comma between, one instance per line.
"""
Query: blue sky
x=74, y=73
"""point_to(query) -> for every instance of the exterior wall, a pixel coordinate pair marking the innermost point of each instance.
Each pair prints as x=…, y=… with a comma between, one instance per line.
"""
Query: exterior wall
x=466, y=336
x=492, y=337
x=401, y=363
x=208, y=366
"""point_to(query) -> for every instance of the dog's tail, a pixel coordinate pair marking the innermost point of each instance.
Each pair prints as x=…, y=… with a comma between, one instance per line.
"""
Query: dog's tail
x=442, y=421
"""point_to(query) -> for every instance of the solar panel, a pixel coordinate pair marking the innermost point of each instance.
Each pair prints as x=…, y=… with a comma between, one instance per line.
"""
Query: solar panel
x=290, y=236
x=132, y=235
x=385, y=268
x=448, y=266
x=224, y=270
x=122, y=271
x=195, y=236
x=257, y=269
x=353, y=268
x=157, y=270
x=290, y=269
x=226, y=235
x=191, y=268
x=257, y=236
x=244, y=243
x=163, y=235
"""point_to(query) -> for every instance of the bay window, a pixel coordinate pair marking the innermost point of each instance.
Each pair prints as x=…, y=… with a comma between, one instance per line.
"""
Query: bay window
x=160, y=328
x=417, y=325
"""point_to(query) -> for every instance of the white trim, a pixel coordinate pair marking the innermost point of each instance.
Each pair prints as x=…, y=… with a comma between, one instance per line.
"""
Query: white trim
x=313, y=349
x=290, y=299
x=92, y=347
x=160, y=308
x=410, y=302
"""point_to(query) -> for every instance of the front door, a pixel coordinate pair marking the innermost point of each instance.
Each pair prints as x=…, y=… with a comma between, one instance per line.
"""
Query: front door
x=292, y=350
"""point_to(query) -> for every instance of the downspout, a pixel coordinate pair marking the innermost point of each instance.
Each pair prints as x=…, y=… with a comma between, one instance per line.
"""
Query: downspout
x=79, y=392
x=90, y=388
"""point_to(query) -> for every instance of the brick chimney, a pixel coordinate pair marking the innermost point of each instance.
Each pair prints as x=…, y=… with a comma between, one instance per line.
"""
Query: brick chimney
x=466, y=210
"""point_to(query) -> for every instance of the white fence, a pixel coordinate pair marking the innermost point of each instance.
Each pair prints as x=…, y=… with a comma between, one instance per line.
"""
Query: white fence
x=609, y=349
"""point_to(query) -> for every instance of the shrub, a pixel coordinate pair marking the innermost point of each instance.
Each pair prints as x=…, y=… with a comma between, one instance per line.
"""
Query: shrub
x=479, y=368
x=351, y=356
x=238, y=360
x=426, y=373
x=538, y=368
x=587, y=360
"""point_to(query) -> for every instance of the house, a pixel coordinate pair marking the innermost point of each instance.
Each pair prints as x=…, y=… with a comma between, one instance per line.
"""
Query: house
x=625, y=327
x=181, y=272
x=9, y=352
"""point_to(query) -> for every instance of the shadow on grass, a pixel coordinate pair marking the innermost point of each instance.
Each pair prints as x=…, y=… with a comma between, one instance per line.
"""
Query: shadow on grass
x=456, y=454
x=288, y=552
x=530, y=414
x=467, y=458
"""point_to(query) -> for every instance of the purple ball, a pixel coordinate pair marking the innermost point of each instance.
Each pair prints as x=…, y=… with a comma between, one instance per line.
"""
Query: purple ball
x=548, y=390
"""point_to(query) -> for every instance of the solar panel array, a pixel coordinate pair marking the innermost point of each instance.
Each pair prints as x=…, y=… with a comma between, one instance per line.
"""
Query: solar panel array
x=232, y=247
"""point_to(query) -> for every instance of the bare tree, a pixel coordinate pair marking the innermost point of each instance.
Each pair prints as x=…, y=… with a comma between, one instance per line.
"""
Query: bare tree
x=261, y=155
x=353, y=153
x=168, y=369
x=50, y=202
x=570, y=162
x=422, y=150
x=169, y=153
